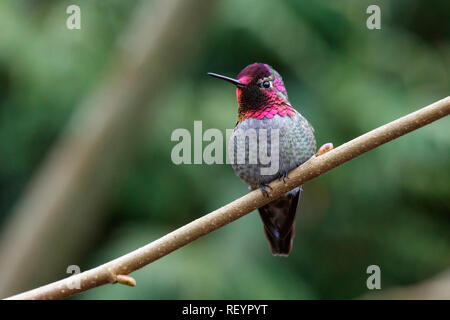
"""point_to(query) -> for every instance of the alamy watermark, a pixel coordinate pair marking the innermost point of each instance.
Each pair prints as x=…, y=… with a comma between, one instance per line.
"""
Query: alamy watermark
x=76, y=282
x=250, y=146
x=374, y=20
x=74, y=19
x=374, y=280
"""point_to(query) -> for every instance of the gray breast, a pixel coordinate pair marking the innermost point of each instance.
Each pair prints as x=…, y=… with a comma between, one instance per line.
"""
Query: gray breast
x=290, y=139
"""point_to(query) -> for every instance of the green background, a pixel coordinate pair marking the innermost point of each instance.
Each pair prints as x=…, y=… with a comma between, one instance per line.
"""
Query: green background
x=389, y=207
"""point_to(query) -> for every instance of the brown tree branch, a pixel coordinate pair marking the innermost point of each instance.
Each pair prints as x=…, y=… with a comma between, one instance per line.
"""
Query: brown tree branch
x=108, y=272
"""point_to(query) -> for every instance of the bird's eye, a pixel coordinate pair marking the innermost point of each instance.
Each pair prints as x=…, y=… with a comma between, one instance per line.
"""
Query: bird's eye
x=266, y=84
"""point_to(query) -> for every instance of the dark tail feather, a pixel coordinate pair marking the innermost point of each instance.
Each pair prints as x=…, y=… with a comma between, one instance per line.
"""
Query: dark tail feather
x=278, y=218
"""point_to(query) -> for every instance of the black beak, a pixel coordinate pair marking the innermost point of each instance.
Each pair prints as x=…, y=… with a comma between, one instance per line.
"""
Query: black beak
x=233, y=81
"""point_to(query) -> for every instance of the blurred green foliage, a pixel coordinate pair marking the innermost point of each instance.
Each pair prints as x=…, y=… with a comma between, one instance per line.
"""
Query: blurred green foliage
x=389, y=207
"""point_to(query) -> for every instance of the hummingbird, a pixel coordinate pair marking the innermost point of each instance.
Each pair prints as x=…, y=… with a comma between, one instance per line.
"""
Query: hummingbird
x=263, y=104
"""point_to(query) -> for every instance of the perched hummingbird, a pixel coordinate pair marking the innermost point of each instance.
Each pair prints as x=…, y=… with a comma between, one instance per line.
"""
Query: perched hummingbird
x=263, y=104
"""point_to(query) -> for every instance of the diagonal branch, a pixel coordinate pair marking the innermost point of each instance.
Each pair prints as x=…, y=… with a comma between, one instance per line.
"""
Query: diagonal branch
x=108, y=272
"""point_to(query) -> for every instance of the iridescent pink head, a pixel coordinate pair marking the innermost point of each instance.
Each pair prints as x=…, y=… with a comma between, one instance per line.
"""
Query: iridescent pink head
x=260, y=92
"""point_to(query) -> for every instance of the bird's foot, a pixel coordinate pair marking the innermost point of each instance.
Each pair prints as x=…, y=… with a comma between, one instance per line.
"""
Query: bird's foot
x=263, y=187
x=284, y=176
x=324, y=149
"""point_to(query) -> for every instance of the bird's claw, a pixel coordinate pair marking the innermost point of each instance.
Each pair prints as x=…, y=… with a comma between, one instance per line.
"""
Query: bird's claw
x=262, y=187
x=284, y=176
